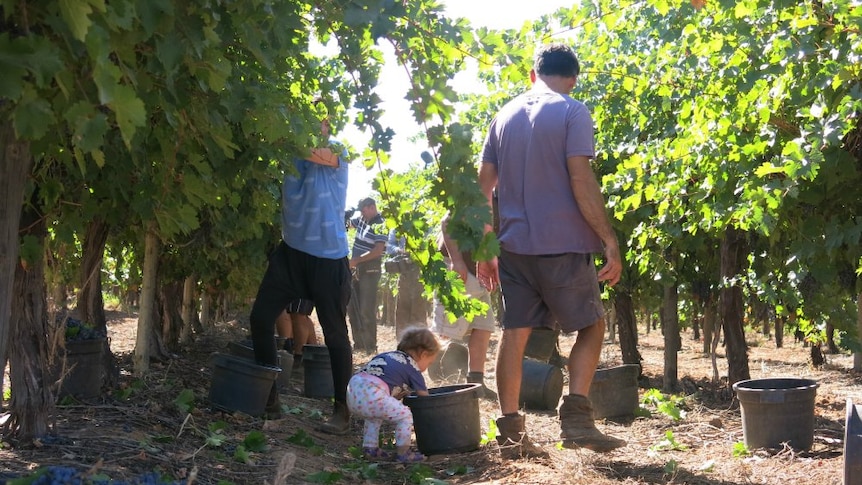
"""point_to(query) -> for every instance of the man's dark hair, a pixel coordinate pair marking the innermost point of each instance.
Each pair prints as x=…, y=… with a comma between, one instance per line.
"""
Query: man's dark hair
x=556, y=60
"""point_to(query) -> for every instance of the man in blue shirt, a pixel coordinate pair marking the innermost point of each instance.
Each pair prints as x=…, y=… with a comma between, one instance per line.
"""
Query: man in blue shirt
x=309, y=269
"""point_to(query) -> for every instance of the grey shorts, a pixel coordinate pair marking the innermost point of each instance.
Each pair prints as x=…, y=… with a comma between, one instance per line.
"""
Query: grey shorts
x=554, y=291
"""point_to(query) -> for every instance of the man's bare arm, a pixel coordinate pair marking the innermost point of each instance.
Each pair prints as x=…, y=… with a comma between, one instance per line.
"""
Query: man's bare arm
x=487, y=271
x=456, y=260
x=487, y=183
x=588, y=194
x=375, y=253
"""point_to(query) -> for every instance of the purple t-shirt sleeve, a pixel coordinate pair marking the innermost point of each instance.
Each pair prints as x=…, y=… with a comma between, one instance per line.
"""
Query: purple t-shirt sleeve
x=581, y=140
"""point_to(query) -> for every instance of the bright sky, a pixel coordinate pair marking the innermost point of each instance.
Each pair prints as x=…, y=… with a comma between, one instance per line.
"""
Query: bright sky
x=499, y=14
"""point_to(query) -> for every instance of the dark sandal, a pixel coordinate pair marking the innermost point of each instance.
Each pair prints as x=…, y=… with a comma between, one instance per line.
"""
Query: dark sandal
x=376, y=454
x=411, y=457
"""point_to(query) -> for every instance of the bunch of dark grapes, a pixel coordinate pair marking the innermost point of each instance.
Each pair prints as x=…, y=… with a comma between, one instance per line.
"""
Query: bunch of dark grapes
x=78, y=330
x=53, y=439
x=153, y=478
x=149, y=478
x=63, y=475
x=809, y=287
x=847, y=278
x=59, y=475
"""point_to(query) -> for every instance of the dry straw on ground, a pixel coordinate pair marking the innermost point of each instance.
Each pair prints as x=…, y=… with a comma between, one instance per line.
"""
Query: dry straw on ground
x=147, y=432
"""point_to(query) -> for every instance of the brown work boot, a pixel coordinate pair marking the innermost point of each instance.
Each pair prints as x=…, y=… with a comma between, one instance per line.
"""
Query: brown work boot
x=513, y=440
x=579, y=428
x=339, y=422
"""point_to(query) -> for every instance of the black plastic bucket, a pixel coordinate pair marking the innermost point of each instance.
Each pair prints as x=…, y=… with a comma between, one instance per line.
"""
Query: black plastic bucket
x=541, y=385
x=614, y=391
x=853, y=444
x=83, y=379
x=450, y=364
x=317, y=371
x=542, y=344
x=241, y=348
x=240, y=384
x=284, y=360
x=446, y=421
x=776, y=411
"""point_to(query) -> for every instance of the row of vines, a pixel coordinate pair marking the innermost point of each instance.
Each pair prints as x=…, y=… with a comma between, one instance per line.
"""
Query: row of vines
x=151, y=135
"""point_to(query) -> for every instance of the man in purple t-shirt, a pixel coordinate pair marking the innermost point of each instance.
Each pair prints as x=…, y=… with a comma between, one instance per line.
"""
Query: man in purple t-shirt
x=552, y=219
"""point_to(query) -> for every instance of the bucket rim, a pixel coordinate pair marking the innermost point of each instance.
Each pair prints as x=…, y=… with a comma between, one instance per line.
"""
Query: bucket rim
x=235, y=358
x=761, y=384
x=606, y=373
x=618, y=366
x=443, y=392
x=90, y=341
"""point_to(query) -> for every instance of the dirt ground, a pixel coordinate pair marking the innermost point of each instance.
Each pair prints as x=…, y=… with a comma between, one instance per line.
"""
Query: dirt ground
x=140, y=428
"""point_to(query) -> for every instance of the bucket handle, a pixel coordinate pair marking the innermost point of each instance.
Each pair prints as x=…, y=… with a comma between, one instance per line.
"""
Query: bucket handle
x=772, y=397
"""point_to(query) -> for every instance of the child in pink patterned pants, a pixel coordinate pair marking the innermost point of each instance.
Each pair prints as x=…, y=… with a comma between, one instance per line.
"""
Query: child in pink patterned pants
x=375, y=393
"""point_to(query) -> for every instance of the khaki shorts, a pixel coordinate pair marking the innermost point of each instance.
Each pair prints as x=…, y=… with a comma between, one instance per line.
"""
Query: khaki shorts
x=541, y=290
x=461, y=328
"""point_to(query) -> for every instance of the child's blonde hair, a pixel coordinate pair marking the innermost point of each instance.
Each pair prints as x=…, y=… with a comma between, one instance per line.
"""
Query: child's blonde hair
x=418, y=339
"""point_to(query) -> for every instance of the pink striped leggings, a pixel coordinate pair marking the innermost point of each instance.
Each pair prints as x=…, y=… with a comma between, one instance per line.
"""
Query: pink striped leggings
x=368, y=398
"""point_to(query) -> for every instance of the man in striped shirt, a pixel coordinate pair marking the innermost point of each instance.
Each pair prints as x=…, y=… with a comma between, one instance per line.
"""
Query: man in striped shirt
x=365, y=259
